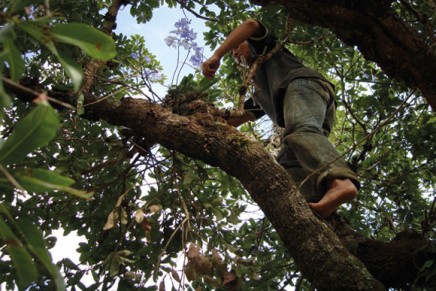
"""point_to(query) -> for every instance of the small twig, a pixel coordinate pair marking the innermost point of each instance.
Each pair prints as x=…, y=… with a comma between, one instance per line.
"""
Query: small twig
x=11, y=179
x=183, y=5
x=177, y=65
x=185, y=209
x=103, y=98
x=23, y=89
x=184, y=62
x=156, y=268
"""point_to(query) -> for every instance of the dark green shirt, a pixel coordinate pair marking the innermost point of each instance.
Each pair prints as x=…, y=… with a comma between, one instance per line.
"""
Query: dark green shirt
x=273, y=76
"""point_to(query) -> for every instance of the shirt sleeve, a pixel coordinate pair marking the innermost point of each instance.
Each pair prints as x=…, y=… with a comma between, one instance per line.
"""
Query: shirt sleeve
x=250, y=106
x=263, y=44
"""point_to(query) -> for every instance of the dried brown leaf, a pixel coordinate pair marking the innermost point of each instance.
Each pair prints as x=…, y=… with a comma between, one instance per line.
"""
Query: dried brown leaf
x=193, y=251
x=139, y=215
x=154, y=208
x=123, y=216
x=111, y=219
x=175, y=275
x=162, y=286
x=190, y=272
x=146, y=225
x=203, y=265
x=230, y=279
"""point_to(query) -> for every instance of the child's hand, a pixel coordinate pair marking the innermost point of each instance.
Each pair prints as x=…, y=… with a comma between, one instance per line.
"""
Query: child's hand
x=210, y=66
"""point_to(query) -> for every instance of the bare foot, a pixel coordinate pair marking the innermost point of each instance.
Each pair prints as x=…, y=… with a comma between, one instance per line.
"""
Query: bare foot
x=339, y=192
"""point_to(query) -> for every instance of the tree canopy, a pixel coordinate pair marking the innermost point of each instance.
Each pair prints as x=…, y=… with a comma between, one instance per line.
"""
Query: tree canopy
x=167, y=195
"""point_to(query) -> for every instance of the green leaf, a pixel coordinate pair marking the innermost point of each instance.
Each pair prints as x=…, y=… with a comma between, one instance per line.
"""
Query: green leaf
x=114, y=264
x=94, y=42
x=80, y=107
x=6, y=39
x=218, y=213
x=40, y=184
x=18, y=5
x=49, y=177
x=12, y=56
x=72, y=69
x=188, y=177
x=7, y=33
x=36, y=245
x=69, y=264
x=32, y=28
x=22, y=260
x=205, y=84
x=4, y=210
x=5, y=100
x=38, y=180
x=37, y=129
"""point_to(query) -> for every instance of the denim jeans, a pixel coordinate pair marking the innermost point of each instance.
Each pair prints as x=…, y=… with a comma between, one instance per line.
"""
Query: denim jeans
x=307, y=154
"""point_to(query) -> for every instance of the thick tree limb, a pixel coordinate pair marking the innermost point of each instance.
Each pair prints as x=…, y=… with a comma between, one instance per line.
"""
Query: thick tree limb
x=313, y=245
x=378, y=32
x=396, y=263
x=316, y=249
x=320, y=255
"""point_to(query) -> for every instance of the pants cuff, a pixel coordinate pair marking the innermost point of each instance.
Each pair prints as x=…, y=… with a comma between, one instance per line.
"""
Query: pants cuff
x=342, y=173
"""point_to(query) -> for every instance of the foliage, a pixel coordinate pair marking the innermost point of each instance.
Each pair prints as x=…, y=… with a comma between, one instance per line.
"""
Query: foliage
x=157, y=218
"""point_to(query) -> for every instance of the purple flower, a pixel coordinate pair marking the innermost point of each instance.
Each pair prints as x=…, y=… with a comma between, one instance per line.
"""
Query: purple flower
x=197, y=58
x=171, y=41
x=185, y=38
x=152, y=75
x=147, y=59
x=182, y=23
x=185, y=44
x=188, y=34
x=196, y=48
x=134, y=56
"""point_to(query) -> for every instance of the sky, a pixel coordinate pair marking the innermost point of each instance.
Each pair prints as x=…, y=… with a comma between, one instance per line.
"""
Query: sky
x=156, y=30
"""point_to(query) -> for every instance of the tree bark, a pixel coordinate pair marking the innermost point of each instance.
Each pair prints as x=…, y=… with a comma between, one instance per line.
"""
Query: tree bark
x=318, y=252
x=378, y=32
x=316, y=249
x=397, y=264
x=314, y=244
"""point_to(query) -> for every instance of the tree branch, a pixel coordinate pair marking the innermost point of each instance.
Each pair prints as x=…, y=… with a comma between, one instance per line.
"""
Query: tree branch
x=315, y=248
x=310, y=241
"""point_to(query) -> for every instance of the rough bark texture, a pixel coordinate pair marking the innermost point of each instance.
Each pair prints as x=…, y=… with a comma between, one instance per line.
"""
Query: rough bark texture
x=314, y=246
x=320, y=255
x=312, y=243
x=397, y=263
x=379, y=34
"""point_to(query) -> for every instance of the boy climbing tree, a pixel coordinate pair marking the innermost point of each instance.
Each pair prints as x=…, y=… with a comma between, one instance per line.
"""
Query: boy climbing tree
x=300, y=100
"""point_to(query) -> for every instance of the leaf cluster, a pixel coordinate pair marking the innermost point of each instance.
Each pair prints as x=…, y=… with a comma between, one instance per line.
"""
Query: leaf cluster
x=159, y=219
